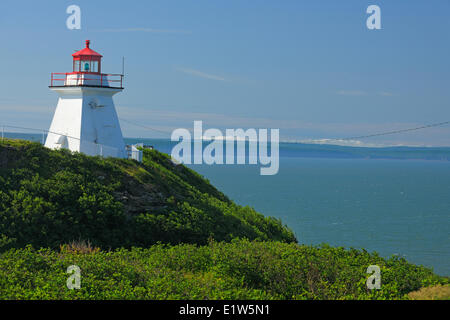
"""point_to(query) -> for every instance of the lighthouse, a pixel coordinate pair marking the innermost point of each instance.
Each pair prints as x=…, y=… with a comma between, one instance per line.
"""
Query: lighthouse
x=85, y=118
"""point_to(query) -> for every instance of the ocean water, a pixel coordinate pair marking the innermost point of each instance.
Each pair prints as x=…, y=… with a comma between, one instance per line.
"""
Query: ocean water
x=389, y=200
x=390, y=206
x=351, y=197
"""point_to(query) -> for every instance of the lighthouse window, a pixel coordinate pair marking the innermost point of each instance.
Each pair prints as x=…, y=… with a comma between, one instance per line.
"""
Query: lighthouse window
x=94, y=66
x=76, y=65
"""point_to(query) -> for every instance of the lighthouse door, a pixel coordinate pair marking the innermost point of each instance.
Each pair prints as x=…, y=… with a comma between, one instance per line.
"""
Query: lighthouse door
x=62, y=142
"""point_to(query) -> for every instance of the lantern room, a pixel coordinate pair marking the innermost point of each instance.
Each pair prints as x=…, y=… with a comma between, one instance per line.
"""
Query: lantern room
x=87, y=60
x=87, y=71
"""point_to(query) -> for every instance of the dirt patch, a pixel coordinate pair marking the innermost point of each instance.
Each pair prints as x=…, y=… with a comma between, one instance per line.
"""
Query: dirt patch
x=439, y=292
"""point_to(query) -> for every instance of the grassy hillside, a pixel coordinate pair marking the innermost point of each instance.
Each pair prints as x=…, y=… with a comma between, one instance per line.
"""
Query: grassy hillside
x=157, y=230
x=52, y=197
x=237, y=270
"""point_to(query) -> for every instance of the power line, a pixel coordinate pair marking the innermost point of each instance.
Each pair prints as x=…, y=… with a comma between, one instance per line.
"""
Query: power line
x=145, y=127
x=395, y=131
x=348, y=138
x=336, y=139
x=41, y=130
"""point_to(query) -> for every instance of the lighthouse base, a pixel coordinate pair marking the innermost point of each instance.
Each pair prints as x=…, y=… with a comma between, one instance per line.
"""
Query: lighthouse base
x=86, y=121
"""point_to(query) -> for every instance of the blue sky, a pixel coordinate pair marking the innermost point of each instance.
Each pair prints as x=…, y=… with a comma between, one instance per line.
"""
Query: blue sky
x=310, y=68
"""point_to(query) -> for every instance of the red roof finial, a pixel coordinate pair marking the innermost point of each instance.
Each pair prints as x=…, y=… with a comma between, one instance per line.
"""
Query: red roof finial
x=87, y=51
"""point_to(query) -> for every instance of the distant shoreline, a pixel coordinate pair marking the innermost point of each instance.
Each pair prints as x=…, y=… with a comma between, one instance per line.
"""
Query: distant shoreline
x=293, y=149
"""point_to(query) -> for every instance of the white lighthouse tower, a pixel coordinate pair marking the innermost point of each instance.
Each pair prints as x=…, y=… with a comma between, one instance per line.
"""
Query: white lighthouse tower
x=85, y=119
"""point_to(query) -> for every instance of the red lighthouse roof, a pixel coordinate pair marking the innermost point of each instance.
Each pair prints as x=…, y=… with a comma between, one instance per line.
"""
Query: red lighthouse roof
x=87, y=71
x=87, y=52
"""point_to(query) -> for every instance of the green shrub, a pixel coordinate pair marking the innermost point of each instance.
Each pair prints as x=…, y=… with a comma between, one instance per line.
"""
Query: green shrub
x=241, y=269
x=194, y=242
x=50, y=197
